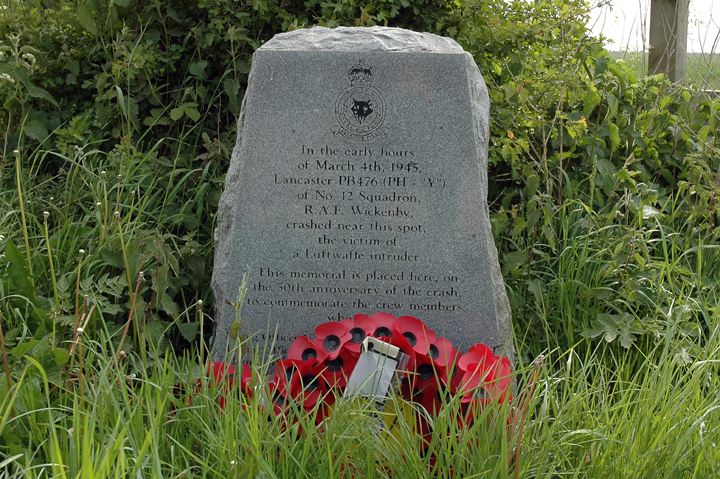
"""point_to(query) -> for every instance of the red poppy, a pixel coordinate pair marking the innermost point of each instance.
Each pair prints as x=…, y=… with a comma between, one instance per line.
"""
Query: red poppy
x=487, y=377
x=416, y=332
x=303, y=349
x=285, y=371
x=427, y=372
x=442, y=351
x=383, y=324
x=336, y=371
x=480, y=347
x=478, y=353
x=308, y=388
x=297, y=379
x=360, y=327
x=330, y=337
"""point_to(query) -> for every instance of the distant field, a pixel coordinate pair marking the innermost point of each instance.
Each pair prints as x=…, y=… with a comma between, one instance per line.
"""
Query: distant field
x=703, y=69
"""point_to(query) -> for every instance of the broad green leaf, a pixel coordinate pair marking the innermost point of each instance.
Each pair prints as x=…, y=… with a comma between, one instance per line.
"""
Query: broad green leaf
x=703, y=133
x=150, y=121
x=231, y=87
x=121, y=101
x=61, y=356
x=19, y=350
x=536, y=289
x=519, y=226
x=549, y=236
x=85, y=17
x=590, y=102
x=44, y=354
x=177, y=113
x=614, y=326
x=36, y=130
x=624, y=175
x=192, y=113
x=513, y=260
x=22, y=74
x=133, y=110
x=19, y=272
x=73, y=66
x=197, y=266
x=533, y=182
x=605, y=167
x=198, y=69
x=112, y=258
x=37, y=92
x=628, y=335
x=601, y=65
x=169, y=306
x=612, y=105
x=614, y=136
x=189, y=331
x=155, y=333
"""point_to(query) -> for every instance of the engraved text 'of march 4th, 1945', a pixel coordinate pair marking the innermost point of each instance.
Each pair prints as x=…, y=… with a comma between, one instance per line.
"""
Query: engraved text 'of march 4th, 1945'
x=357, y=209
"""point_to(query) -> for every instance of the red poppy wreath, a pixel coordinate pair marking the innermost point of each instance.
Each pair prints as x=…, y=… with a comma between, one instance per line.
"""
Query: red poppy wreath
x=316, y=371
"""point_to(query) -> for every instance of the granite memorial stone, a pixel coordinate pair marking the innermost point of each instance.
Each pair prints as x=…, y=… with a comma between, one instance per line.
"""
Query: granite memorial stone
x=358, y=184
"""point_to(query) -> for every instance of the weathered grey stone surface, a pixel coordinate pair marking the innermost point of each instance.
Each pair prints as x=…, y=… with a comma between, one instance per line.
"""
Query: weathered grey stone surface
x=358, y=184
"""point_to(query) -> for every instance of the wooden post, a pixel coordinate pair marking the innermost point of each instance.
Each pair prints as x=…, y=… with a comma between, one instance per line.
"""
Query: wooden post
x=668, y=38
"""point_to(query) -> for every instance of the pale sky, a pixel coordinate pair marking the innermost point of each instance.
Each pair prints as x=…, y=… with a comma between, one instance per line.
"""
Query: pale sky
x=626, y=23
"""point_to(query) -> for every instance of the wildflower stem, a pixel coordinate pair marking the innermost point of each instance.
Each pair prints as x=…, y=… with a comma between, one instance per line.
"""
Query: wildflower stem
x=137, y=329
x=117, y=196
x=75, y=331
x=52, y=268
x=202, y=341
x=77, y=286
x=22, y=216
x=122, y=245
x=129, y=320
x=103, y=231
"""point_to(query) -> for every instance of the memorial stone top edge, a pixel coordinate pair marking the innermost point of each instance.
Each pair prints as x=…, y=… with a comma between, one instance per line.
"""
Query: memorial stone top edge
x=373, y=39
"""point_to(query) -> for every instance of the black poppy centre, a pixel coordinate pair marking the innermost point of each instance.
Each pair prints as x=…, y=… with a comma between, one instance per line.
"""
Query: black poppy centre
x=310, y=383
x=383, y=332
x=411, y=338
x=331, y=343
x=309, y=353
x=358, y=335
x=334, y=364
x=425, y=372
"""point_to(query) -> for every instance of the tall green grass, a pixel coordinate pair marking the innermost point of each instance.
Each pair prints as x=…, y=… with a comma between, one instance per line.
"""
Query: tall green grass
x=660, y=419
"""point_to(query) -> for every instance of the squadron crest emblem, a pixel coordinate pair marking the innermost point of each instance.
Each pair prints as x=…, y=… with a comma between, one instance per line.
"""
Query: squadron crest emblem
x=360, y=108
